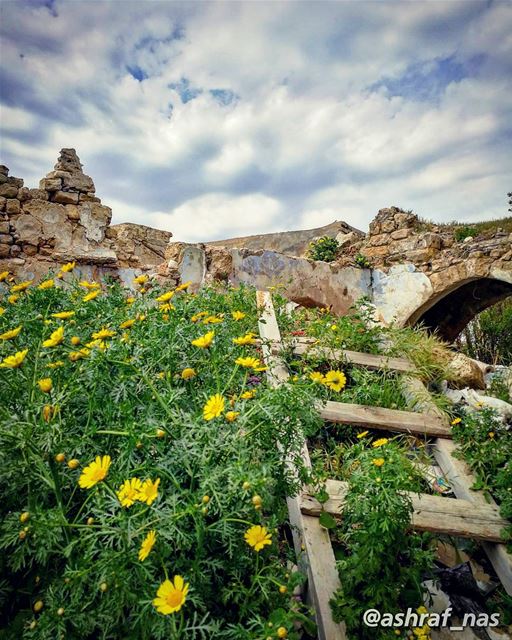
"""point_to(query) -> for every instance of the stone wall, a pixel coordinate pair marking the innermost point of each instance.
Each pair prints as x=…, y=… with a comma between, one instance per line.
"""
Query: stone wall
x=291, y=243
x=64, y=220
x=414, y=271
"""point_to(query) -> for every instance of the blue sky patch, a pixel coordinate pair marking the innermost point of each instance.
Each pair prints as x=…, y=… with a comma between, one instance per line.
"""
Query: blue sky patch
x=224, y=97
x=428, y=80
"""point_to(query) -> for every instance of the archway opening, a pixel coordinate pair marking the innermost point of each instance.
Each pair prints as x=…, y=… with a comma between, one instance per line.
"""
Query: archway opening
x=448, y=314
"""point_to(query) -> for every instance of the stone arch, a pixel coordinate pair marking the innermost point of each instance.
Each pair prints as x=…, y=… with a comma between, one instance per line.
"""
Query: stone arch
x=448, y=310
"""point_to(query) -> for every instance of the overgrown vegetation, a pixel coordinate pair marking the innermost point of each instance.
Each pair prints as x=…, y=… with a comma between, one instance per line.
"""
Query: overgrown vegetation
x=488, y=337
x=325, y=249
x=143, y=491
x=486, y=443
x=381, y=562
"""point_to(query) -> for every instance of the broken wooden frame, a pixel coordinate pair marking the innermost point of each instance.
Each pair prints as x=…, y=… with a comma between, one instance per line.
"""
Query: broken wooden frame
x=469, y=515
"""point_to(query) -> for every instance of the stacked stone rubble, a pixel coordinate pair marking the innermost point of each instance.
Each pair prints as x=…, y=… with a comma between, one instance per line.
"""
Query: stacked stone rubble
x=396, y=236
x=64, y=220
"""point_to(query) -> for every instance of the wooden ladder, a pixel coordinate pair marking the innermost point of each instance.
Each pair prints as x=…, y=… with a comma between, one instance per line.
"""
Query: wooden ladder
x=468, y=515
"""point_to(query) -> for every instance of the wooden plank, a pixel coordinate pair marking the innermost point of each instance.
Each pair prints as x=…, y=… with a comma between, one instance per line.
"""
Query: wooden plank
x=431, y=513
x=461, y=479
x=459, y=476
x=311, y=541
x=386, y=419
x=367, y=360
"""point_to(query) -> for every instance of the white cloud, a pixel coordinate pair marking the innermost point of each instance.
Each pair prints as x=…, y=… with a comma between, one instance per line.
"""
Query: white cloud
x=309, y=139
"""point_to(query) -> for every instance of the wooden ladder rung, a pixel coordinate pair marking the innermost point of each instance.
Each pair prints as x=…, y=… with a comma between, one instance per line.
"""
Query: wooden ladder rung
x=436, y=514
x=367, y=360
x=386, y=419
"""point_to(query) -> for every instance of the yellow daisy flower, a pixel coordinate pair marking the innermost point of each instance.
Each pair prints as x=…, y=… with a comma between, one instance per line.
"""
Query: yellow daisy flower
x=203, y=342
x=335, y=380
x=247, y=395
x=21, y=286
x=362, y=434
x=247, y=339
x=54, y=365
x=171, y=595
x=75, y=340
x=212, y=320
x=130, y=300
x=95, y=472
x=456, y=421
x=63, y=315
x=89, y=285
x=56, y=338
x=129, y=491
x=2, y=311
x=79, y=355
x=142, y=279
x=238, y=315
x=184, y=286
x=4, y=275
x=93, y=294
x=127, y=324
x=13, y=299
x=165, y=297
x=257, y=537
x=45, y=384
x=316, y=376
x=231, y=416
x=15, y=361
x=147, y=545
x=380, y=442
x=214, y=407
x=198, y=316
x=12, y=333
x=47, y=284
x=66, y=268
x=378, y=462
x=188, y=373
x=148, y=491
x=103, y=333
x=166, y=307
x=249, y=362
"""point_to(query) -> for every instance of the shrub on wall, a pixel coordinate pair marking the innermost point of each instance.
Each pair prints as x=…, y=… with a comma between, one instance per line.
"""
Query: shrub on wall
x=325, y=249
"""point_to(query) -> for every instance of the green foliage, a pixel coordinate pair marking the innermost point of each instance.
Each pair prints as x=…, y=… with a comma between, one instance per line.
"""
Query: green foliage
x=462, y=232
x=381, y=562
x=486, y=443
x=362, y=261
x=77, y=549
x=488, y=336
x=325, y=249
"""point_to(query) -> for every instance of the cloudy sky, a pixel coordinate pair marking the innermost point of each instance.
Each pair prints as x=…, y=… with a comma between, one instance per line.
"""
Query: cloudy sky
x=217, y=119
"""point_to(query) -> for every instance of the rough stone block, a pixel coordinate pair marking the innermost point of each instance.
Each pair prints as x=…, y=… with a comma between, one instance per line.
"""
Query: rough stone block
x=6, y=238
x=50, y=184
x=4, y=171
x=4, y=251
x=29, y=249
x=2, y=203
x=401, y=234
x=73, y=212
x=38, y=194
x=379, y=240
x=15, y=250
x=23, y=194
x=65, y=197
x=12, y=206
x=87, y=197
x=8, y=190
x=3, y=179
x=79, y=182
x=17, y=182
x=4, y=226
x=375, y=252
